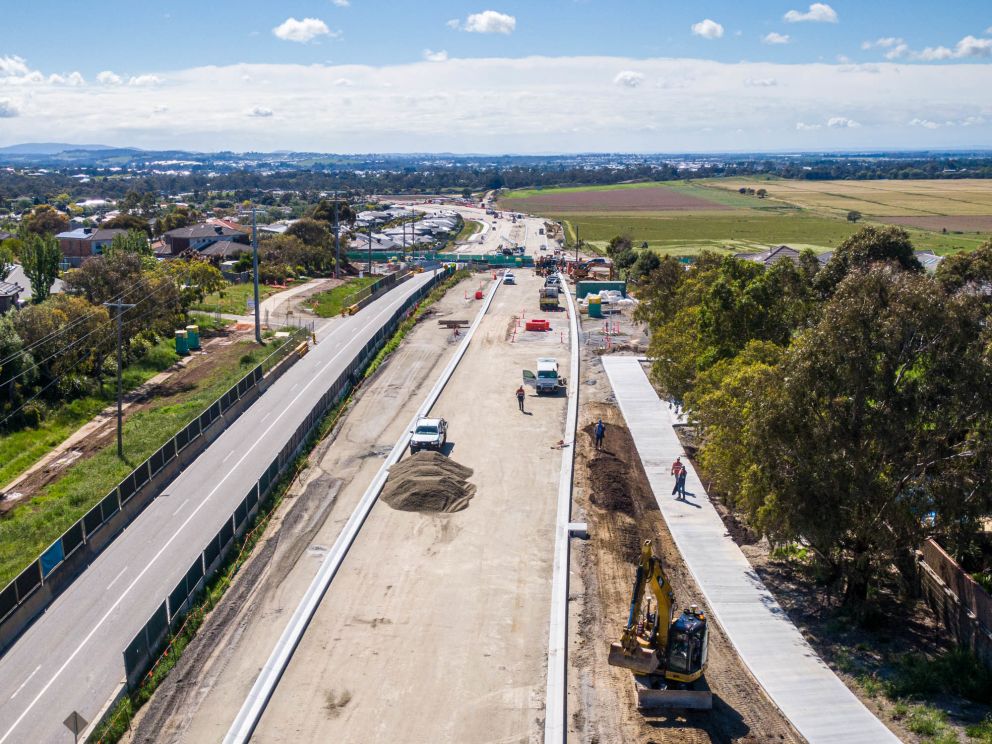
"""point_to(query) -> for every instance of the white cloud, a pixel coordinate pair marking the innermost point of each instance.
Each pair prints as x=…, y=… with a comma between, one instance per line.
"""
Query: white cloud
x=489, y=22
x=775, y=38
x=884, y=42
x=13, y=66
x=454, y=23
x=109, y=78
x=432, y=56
x=160, y=109
x=925, y=123
x=7, y=109
x=260, y=112
x=843, y=59
x=500, y=105
x=804, y=127
x=73, y=79
x=341, y=3
x=141, y=80
x=969, y=46
x=628, y=79
x=842, y=122
x=301, y=31
x=817, y=13
x=344, y=83
x=708, y=29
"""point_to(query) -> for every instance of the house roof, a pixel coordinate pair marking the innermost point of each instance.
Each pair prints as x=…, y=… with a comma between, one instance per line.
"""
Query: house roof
x=202, y=231
x=10, y=290
x=771, y=256
x=223, y=249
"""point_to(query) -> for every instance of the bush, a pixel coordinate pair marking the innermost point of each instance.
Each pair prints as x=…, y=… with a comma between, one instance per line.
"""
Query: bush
x=958, y=672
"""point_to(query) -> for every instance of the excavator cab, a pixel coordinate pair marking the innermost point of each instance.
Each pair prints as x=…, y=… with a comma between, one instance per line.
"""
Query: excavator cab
x=687, y=642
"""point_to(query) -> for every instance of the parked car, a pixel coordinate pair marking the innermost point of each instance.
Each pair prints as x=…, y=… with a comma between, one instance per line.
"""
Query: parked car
x=429, y=433
x=552, y=280
x=509, y=278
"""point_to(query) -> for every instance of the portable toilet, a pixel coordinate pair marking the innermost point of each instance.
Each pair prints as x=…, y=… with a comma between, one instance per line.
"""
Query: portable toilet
x=595, y=306
x=193, y=337
x=182, y=343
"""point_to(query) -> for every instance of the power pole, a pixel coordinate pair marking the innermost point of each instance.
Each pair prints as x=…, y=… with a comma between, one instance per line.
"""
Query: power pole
x=337, y=243
x=120, y=307
x=577, y=242
x=370, y=249
x=254, y=271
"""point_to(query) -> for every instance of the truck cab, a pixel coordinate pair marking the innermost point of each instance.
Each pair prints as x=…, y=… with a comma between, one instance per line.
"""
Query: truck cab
x=547, y=380
x=429, y=433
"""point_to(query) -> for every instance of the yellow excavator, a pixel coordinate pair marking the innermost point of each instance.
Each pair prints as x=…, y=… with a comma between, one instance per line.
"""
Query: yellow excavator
x=667, y=657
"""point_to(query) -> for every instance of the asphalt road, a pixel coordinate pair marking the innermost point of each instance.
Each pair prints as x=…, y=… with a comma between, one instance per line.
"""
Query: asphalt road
x=71, y=658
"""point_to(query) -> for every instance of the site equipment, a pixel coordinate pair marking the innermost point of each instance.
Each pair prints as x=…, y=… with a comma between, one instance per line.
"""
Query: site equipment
x=547, y=379
x=429, y=433
x=667, y=657
x=548, y=298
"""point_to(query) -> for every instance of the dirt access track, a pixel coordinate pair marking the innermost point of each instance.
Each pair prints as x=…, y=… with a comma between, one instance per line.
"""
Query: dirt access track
x=435, y=627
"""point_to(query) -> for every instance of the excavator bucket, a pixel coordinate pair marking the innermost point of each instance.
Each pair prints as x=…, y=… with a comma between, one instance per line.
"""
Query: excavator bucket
x=642, y=661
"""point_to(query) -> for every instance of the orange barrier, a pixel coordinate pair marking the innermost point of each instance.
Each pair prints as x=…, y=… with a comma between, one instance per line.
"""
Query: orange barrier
x=537, y=325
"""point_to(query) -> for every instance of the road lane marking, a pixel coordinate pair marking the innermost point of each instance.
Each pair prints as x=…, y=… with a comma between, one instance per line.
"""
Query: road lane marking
x=261, y=438
x=117, y=577
x=229, y=454
x=180, y=507
x=25, y=682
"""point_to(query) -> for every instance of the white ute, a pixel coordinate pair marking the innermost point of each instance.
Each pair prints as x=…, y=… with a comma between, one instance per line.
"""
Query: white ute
x=429, y=433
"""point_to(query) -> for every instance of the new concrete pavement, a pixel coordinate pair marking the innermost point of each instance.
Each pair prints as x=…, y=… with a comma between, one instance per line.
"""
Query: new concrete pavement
x=71, y=658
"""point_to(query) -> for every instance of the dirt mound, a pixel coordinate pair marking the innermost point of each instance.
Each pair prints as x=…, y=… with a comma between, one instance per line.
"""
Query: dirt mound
x=428, y=482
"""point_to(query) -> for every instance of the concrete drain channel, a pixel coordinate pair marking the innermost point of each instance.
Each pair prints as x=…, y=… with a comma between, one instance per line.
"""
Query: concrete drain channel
x=265, y=684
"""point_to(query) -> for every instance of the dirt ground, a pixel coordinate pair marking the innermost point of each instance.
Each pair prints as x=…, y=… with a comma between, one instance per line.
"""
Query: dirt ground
x=219, y=349
x=613, y=496
x=415, y=589
x=435, y=628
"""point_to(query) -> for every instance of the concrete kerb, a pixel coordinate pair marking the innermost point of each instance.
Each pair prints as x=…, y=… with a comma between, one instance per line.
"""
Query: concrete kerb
x=265, y=684
x=556, y=690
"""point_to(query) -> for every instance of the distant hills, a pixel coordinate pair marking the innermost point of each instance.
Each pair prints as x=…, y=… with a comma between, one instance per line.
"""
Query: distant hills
x=49, y=148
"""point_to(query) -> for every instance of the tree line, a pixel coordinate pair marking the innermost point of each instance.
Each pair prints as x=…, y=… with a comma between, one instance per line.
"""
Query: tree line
x=848, y=406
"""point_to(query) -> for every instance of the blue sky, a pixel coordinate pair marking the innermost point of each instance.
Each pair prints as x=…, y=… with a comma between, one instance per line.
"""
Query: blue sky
x=636, y=74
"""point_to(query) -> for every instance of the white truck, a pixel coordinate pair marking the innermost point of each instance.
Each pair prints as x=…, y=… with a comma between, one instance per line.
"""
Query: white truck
x=547, y=380
x=429, y=433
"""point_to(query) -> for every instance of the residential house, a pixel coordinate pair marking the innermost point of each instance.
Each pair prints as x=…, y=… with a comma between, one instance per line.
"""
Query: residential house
x=85, y=242
x=199, y=237
x=772, y=255
x=224, y=249
x=9, y=295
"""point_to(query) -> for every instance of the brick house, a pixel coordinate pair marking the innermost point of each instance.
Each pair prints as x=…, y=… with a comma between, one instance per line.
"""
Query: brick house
x=85, y=242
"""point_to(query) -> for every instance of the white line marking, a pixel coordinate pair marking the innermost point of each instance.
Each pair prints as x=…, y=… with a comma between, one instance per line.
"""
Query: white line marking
x=180, y=507
x=117, y=577
x=148, y=566
x=227, y=456
x=25, y=682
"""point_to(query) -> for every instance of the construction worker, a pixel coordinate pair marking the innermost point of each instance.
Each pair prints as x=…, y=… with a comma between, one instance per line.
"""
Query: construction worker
x=520, y=397
x=599, y=432
x=678, y=470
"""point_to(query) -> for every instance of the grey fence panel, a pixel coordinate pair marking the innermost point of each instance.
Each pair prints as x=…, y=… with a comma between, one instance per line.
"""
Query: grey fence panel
x=127, y=488
x=263, y=482
x=226, y=534
x=156, y=462
x=181, y=439
x=51, y=558
x=136, y=658
x=8, y=600
x=241, y=514
x=252, y=498
x=140, y=475
x=110, y=505
x=28, y=580
x=176, y=598
x=92, y=520
x=211, y=553
x=157, y=627
x=72, y=538
x=206, y=418
x=169, y=451
x=195, y=573
x=215, y=411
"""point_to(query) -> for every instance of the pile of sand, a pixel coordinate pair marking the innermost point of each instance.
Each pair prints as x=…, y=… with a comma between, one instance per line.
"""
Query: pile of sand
x=428, y=482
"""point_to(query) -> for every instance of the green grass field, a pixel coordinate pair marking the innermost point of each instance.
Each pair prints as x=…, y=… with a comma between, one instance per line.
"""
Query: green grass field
x=33, y=526
x=470, y=228
x=233, y=299
x=333, y=301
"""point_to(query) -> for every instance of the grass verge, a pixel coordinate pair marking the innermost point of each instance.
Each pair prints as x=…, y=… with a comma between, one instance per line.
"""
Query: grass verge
x=33, y=526
x=332, y=302
x=19, y=450
x=469, y=228
x=233, y=299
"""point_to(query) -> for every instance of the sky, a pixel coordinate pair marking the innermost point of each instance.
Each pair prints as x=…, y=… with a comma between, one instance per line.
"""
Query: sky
x=506, y=76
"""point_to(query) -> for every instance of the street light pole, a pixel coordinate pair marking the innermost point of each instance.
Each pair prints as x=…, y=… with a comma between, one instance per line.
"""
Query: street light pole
x=254, y=271
x=337, y=243
x=120, y=307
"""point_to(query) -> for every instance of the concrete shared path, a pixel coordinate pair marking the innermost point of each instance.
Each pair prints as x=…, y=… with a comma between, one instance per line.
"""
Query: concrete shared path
x=810, y=695
x=70, y=659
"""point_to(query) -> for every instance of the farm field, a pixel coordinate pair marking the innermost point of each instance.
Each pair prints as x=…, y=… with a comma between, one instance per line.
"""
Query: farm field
x=802, y=214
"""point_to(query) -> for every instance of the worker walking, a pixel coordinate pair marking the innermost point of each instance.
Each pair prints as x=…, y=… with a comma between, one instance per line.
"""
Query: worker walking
x=599, y=432
x=678, y=470
x=520, y=397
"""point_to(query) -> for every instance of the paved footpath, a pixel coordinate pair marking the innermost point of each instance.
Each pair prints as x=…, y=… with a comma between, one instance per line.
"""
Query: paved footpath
x=810, y=695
